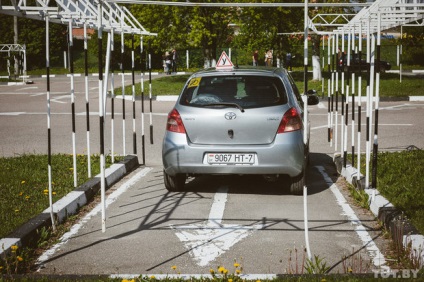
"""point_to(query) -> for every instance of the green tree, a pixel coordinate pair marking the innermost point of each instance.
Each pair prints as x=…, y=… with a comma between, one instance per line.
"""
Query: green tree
x=32, y=33
x=263, y=28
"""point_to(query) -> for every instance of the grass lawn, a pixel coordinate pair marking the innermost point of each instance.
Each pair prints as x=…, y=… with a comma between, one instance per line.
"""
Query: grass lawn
x=24, y=185
x=399, y=180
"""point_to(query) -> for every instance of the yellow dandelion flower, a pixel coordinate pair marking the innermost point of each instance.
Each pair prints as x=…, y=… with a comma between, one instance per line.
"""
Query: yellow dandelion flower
x=349, y=270
x=14, y=248
x=1, y=268
x=258, y=280
x=152, y=277
x=23, y=182
x=53, y=193
x=225, y=271
x=27, y=197
x=174, y=267
x=323, y=280
x=238, y=271
x=230, y=280
x=71, y=168
x=21, y=193
x=19, y=258
x=16, y=210
x=211, y=271
x=221, y=269
x=236, y=265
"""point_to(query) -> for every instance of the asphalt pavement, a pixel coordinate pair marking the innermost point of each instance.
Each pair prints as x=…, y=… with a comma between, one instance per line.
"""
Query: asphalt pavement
x=149, y=230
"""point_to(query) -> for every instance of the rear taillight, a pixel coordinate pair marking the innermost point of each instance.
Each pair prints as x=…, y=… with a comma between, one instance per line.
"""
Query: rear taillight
x=175, y=123
x=291, y=122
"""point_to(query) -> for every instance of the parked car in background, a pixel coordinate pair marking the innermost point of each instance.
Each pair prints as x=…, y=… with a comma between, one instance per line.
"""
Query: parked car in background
x=357, y=64
x=240, y=121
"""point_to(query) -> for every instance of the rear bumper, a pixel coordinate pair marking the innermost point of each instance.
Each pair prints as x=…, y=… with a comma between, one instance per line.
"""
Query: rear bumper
x=286, y=155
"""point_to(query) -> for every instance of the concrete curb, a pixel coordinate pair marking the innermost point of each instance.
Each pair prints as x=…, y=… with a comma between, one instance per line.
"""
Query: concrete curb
x=401, y=229
x=28, y=234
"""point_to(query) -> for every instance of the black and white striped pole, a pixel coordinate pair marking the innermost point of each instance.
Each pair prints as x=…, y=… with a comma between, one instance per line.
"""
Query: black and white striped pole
x=353, y=100
x=329, y=130
x=305, y=189
x=305, y=74
x=359, y=100
x=87, y=103
x=332, y=90
x=150, y=95
x=112, y=98
x=71, y=70
x=133, y=94
x=143, y=148
x=101, y=118
x=367, y=132
x=377, y=98
x=123, y=93
x=346, y=105
x=337, y=74
x=49, y=135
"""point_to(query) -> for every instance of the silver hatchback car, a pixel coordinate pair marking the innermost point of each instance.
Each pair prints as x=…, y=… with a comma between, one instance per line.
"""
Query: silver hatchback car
x=240, y=121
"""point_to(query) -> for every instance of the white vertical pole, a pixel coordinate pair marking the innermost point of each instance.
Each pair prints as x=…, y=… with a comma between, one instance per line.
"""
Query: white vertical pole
x=354, y=50
x=329, y=129
x=101, y=118
x=305, y=190
x=133, y=94
x=343, y=97
x=305, y=63
x=332, y=91
x=336, y=129
x=359, y=101
x=368, y=124
x=112, y=101
x=87, y=105
x=377, y=98
x=346, y=117
x=49, y=153
x=143, y=141
x=71, y=59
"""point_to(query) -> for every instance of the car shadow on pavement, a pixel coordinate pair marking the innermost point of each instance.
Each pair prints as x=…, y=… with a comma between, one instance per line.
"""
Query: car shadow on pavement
x=257, y=184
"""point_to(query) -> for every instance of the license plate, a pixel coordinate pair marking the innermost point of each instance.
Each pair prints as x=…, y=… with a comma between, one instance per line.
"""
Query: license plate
x=230, y=158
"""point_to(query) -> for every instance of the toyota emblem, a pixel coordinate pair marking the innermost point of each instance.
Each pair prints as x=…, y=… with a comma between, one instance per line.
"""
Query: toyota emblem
x=230, y=116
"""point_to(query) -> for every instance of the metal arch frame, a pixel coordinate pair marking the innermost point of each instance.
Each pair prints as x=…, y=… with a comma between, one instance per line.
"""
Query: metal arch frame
x=114, y=17
x=392, y=13
x=16, y=48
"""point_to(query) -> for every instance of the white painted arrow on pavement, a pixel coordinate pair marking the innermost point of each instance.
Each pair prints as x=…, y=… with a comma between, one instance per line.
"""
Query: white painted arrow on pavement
x=210, y=239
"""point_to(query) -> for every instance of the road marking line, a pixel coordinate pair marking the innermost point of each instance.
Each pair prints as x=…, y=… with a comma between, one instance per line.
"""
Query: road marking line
x=97, y=209
x=208, y=240
x=377, y=257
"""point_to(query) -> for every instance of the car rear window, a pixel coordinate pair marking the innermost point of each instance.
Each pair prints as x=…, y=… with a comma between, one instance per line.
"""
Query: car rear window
x=245, y=91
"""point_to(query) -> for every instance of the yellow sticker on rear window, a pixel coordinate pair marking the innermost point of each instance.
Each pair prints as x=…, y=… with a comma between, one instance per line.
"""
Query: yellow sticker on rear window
x=194, y=82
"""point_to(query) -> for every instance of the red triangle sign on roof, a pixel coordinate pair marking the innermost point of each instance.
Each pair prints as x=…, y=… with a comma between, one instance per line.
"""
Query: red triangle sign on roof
x=224, y=62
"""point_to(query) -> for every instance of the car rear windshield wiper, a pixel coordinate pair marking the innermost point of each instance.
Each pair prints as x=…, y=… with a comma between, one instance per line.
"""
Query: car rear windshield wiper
x=234, y=105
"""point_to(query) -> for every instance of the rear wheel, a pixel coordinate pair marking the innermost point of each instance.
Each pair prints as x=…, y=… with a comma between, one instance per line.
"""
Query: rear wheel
x=174, y=183
x=297, y=183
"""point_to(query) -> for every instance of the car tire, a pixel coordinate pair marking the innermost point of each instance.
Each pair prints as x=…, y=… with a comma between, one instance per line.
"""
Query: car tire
x=174, y=183
x=297, y=183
